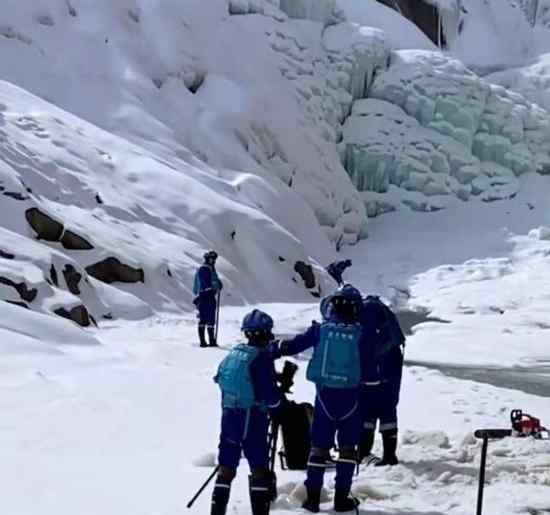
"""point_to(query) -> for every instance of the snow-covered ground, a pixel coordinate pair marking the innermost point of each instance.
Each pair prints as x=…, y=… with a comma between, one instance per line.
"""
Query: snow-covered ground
x=143, y=138
x=131, y=425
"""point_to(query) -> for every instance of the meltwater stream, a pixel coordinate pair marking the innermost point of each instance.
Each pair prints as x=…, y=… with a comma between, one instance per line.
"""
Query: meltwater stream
x=533, y=379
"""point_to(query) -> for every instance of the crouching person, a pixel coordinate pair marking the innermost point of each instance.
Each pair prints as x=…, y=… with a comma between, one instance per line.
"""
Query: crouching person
x=335, y=370
x=381, y=383
x=247, y=381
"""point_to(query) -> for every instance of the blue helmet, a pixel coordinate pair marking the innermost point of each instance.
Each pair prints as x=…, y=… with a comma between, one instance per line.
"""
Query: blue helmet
x=344, y=304
x=257, y=321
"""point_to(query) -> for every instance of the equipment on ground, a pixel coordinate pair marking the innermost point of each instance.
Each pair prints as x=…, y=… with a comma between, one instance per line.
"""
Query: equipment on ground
x=523, y=425
x=295, y=423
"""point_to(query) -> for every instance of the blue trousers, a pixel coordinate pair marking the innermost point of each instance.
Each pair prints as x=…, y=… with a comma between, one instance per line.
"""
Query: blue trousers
x=379, y=403
x=207, y=310
x=336, y=414
x=246, y=431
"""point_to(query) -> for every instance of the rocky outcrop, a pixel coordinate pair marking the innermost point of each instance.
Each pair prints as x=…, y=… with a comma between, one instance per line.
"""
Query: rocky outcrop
x=45, y=226
x=429, y=18
x=49, y=229
x=72, y=278
x=26, y=293
x=78, y=314
x=73, y=241
x=305, y=271
x=111, y=270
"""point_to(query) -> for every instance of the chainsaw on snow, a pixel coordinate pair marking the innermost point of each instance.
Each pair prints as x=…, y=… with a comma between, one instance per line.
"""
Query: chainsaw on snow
x=523, y=426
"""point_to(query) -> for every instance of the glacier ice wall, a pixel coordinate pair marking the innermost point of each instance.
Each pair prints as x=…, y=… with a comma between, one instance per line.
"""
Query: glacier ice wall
x=434, y=129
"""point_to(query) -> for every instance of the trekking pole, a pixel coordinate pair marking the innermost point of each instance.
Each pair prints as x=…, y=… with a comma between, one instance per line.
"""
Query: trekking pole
x=201, y=489
x=217, y=316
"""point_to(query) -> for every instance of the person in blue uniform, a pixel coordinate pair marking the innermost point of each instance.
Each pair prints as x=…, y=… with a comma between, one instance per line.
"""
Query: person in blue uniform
x=335, y=370
x=247, y=380
x=206, y=287
x=336, y=269
x=383, y=342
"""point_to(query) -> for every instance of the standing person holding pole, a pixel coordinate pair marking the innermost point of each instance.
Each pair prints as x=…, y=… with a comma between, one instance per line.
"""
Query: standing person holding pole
x=247, y=380
x=207, y=290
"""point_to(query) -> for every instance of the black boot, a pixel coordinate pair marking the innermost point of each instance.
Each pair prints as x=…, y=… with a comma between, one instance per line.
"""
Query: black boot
x=313, y=499
x=212, y=337
x=260, y=494
x=366, y=444
x=389, y=440
x=344, y=502
x=202, y=338
x=220, y=496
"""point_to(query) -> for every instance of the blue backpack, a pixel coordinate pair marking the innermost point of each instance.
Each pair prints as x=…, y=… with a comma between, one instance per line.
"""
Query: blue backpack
x=197, y=286
x=336, y=360
x=234, y=378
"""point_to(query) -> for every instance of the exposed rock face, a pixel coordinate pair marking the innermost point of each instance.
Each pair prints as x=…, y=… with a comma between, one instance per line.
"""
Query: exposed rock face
x=72, y=278
x=78, y=314
x=45, y=226
x=111, y=270
x=424, y=15
x=6, y=255
x=49, y=229
x=73, y=241
x=305, y=271
x=26, y=293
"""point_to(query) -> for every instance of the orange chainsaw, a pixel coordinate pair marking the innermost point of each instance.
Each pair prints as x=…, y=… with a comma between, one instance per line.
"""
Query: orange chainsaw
x=527, y=425
x=523, y=425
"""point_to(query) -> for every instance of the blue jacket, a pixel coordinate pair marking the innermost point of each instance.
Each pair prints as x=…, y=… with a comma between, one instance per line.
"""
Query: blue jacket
x=264, y=378
x=382, y=362
x=206, y=280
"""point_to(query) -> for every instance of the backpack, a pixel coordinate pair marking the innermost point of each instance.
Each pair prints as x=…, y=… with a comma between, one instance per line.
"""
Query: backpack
x=296, y=422
x=197, y=283
x=336, y=361
x=391, y=334
x=235, y=380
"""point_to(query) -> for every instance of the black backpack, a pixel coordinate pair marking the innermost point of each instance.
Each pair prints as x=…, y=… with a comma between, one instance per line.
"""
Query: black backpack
x=390, y=331
x=296, y=422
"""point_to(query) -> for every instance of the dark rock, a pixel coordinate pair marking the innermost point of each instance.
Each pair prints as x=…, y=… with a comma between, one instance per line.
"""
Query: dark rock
x=6, y=255
x=423, y=14
x=45, y=226
x=15, y=195
x=111, y=270
x=26, y=293
x=53, y=275
x=78, y=314
x=72, y=278
x=73, y=241
x=282, y=259
x=17, y=303
x=169, y=272
x=305, y=271
x=98, y=199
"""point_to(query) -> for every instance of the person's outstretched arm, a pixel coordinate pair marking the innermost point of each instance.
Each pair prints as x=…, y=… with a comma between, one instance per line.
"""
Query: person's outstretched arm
x=301, y=342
